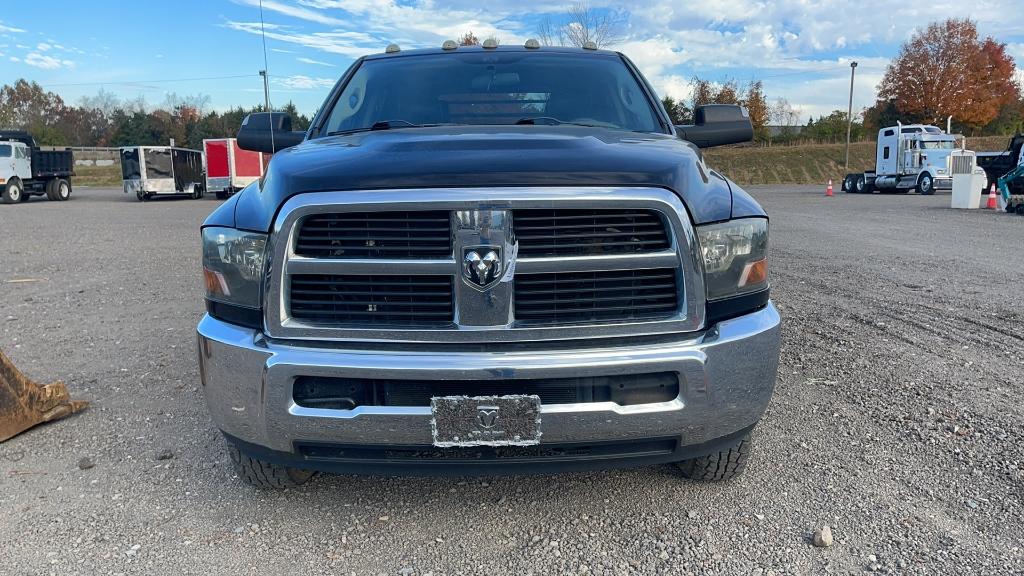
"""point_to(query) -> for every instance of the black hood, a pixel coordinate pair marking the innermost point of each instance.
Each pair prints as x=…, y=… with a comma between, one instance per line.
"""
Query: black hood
x=497, y=156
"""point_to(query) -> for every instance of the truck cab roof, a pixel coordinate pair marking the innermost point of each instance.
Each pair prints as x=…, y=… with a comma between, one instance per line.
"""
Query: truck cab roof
x=499, y=48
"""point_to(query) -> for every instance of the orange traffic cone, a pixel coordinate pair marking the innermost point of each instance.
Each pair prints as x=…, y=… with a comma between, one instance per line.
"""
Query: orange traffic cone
x=992, y=198
x=828, y=190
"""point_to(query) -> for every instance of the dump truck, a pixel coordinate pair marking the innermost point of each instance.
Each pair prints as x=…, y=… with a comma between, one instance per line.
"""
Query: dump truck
x=230, y=168
x=27, y=170
x=999, y=164
x=915, y=157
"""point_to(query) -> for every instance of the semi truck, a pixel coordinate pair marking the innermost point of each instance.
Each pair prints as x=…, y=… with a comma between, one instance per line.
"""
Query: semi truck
x=26, y=170
x=230, y=168
x=915, y=157
x=148, y=171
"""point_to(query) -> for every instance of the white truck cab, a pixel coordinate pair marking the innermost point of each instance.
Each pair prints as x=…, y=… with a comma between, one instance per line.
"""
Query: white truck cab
x=15, y=161
x=917, y=157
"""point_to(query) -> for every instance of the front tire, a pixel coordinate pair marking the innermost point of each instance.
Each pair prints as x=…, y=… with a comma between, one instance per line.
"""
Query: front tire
x=264, y=475
x=13, y=192
x=724, y=464
x=925, y=184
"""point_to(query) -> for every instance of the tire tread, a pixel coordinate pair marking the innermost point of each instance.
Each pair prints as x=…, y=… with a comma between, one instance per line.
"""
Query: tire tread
x=722, y=465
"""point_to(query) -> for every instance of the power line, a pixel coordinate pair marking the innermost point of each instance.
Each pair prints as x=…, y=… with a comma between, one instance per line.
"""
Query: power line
x=160, y=81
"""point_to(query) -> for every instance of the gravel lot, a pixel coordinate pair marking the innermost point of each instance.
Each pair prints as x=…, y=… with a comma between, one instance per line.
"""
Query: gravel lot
x=896, y=421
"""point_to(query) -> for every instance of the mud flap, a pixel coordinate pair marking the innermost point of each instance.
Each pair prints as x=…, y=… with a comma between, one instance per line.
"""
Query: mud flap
x=24, y=404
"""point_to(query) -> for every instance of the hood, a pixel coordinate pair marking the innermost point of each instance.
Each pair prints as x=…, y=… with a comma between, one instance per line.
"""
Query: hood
x=460, y=156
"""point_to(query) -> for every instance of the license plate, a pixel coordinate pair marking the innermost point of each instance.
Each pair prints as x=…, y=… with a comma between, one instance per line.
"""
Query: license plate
x=485, y=420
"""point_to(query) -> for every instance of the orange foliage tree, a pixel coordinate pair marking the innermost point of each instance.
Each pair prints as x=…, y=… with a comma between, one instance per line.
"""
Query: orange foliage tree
x=946, y=70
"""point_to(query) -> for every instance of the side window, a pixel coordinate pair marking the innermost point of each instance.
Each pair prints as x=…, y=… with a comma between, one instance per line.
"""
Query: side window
x=889, y=132
x=885, y=153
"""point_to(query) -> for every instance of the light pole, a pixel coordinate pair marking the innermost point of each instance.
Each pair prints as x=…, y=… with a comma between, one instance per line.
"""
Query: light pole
x=849, y=117
x=266, y=91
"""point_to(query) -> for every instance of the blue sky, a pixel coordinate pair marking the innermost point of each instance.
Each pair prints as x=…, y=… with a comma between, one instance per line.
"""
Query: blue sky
x=801, y=49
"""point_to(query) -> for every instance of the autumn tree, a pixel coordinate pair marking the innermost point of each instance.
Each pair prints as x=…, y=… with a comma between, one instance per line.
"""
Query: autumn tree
x=756, y=104
x=946, y=70
x=469, y=39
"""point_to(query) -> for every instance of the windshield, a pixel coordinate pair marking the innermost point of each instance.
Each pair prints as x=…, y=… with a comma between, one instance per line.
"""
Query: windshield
x=5, y=150
x=487, y=88
x=938, y=144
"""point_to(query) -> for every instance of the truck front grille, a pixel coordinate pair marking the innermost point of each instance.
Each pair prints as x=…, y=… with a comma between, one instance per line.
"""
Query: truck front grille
x=350, y=393
x=483, y=265
x=615, y=295
x=588, y=232
x=372, y=299
x=425, y=234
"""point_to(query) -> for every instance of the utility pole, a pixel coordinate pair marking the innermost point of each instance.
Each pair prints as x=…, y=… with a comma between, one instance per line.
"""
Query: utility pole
x=849, y=117
x=266, y=91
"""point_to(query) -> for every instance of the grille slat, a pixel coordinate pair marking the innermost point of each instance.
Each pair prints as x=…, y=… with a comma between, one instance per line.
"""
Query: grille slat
x=366, y=235
x=377, y=299
x=569, y=297
x=588, y=232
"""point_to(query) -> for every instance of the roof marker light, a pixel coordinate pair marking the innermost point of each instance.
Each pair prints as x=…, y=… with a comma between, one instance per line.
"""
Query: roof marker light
x=490, y=43
x=449, y=45
x=532, y=44
x=590, y=45
x=392, y=48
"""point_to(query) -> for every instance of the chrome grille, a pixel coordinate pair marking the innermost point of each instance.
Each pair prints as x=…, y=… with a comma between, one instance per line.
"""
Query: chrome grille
x=420, y=234
x=588, y=232
x=613, y=295
x=962, y=164
x=390, y=299
x=390, y=265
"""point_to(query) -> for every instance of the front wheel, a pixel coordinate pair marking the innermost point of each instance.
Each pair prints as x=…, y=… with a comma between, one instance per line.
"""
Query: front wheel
x=264, y=475
x=925, y=184
x=13, y=192
x=724, y=464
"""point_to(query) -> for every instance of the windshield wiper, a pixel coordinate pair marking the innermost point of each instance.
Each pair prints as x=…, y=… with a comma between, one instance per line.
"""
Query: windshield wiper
x=551, y=121
x=382, y=125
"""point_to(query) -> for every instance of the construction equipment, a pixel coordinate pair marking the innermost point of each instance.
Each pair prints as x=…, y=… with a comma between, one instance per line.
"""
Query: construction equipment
x=24, y=403
x=1013, y=179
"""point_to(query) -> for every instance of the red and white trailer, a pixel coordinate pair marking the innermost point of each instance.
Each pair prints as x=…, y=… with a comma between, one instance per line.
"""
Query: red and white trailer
x=229, y=168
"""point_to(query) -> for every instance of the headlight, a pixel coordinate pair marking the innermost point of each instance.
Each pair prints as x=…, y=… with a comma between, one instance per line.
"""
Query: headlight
x=233, y=265
x=735, y=257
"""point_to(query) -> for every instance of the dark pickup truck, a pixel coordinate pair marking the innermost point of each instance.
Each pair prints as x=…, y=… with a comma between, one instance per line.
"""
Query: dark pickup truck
x=488, y=260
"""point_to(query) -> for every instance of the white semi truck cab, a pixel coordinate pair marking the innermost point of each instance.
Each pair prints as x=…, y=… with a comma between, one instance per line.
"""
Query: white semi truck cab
x=914, y=157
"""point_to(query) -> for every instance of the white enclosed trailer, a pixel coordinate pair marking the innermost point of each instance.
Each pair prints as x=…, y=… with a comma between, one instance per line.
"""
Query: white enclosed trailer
x=148, y=171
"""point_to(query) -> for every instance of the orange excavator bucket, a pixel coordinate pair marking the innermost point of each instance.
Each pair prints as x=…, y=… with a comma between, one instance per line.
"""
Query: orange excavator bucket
x=23, y=403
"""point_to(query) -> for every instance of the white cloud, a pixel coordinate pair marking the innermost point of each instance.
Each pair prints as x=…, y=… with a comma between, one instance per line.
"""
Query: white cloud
x=46, y=62
x=43, y=46
x=305, y=60
x=15, y=59
x=10, y=29
x=301, y=82
x=293, y=11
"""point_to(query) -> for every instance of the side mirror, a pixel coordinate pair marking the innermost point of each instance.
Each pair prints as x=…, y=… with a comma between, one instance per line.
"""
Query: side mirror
x=268, y=132
x=717, y=125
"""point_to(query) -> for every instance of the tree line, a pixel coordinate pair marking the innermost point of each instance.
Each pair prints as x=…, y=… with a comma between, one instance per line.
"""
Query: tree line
x=105, y=120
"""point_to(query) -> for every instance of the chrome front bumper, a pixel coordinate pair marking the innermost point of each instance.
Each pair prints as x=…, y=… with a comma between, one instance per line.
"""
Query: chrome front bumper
x=727, y=375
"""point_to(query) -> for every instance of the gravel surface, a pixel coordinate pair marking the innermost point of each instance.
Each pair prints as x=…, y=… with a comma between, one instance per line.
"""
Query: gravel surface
x=896, y=421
